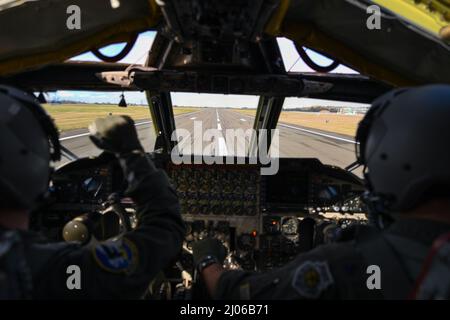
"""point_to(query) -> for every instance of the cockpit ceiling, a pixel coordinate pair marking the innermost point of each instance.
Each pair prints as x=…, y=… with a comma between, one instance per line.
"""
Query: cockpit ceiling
x=406, y=50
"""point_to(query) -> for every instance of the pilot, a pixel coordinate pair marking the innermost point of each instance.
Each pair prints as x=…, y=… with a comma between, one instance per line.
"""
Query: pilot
x=404, y=149
x=36, y=268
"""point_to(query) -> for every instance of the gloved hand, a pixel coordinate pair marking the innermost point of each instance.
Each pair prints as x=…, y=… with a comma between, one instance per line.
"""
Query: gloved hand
x=208, y=247
x=116, y=134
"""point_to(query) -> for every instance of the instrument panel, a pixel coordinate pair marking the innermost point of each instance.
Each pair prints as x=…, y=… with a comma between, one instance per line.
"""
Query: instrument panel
x=84, y=186
x=261, y=219
x=264, y=221
x=87, y=181
x=307, y=186
x=230, y=190
x=77, y=188
x=301, y=186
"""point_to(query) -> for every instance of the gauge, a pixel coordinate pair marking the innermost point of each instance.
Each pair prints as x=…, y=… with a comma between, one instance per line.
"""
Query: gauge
x=289, y=226
x=271, y=225
x=90, y=185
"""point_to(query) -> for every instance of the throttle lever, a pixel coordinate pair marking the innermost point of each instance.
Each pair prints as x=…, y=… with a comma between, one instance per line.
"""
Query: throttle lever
x=114, y=202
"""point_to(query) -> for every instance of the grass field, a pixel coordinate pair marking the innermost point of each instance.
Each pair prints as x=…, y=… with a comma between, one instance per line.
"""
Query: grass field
x=77, y=116
x=332, y=122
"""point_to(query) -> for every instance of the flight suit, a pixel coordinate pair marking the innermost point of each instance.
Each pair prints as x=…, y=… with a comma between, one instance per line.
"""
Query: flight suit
x=114, y=269
x=345, y=270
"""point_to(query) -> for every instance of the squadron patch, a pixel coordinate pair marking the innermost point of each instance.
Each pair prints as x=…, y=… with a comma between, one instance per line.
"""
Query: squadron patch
x=312, y=278
x=116, y=256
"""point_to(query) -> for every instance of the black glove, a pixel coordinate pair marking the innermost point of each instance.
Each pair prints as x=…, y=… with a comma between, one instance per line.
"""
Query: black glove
x=208, y=247
x=116, y=134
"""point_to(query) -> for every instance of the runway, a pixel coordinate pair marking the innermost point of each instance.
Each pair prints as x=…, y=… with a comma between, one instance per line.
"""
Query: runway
x=294, y=141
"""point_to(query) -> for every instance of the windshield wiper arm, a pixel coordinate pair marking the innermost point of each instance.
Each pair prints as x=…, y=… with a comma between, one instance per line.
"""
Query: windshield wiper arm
x=68, y=154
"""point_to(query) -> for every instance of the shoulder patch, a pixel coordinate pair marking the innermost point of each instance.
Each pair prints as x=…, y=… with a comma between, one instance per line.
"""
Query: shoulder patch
x=311, y=278
x=119, y=256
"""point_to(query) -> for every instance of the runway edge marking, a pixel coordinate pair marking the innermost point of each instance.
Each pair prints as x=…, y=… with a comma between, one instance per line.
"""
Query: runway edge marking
x=137, y=124
x=310, y=131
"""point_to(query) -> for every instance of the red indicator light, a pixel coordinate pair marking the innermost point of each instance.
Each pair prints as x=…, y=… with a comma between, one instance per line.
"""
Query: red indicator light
x=254, y=234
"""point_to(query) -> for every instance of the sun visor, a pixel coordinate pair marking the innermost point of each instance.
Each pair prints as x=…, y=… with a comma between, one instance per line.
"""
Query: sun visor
x=34, y=33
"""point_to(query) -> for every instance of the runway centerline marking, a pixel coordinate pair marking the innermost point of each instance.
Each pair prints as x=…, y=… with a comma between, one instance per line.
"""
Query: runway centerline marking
x=217, y=115
x=219, y=127
x=223, y=150
x=222, y=147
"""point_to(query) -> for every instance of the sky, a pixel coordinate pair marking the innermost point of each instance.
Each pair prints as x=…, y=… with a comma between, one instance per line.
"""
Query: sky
x=139, y=53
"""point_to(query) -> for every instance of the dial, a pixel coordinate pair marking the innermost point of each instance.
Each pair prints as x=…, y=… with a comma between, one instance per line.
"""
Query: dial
x=289, y=226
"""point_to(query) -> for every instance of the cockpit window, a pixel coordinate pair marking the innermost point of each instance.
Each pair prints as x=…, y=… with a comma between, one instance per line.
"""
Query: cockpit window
x=220, y=125
x=293, y=62
x=322, y=129
x=73, y=112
